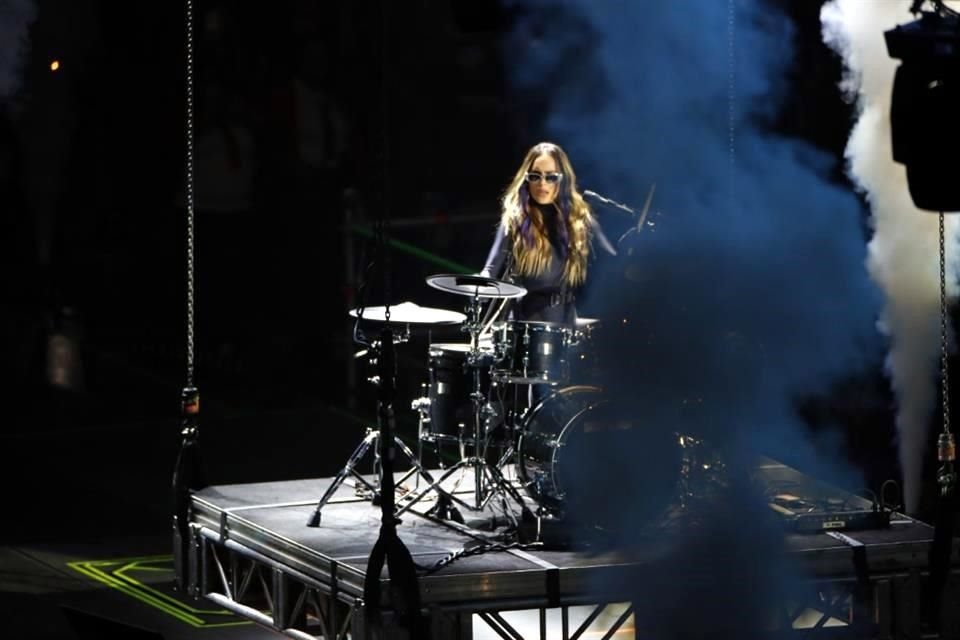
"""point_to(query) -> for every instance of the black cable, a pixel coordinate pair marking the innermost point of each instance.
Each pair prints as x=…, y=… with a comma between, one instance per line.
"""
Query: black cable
x=476, y=549
x=858, y=492
x=944, y=10
x=939, y=7
x=883, y=496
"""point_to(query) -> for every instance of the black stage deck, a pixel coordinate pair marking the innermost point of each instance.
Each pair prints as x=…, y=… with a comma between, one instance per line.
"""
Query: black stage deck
x=253, y=553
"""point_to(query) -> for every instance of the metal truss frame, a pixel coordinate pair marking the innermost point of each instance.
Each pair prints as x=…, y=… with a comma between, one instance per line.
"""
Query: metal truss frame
x=504, y=629
x=291, y=603
x=275, y=596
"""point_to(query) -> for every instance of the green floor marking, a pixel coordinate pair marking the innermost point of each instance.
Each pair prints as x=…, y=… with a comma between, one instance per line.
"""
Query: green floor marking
x=120, y=574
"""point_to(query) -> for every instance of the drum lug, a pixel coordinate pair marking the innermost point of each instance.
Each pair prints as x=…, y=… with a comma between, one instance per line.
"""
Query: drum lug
x=421, y=404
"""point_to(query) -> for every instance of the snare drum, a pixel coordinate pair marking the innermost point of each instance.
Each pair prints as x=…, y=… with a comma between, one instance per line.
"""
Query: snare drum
x=529, y=352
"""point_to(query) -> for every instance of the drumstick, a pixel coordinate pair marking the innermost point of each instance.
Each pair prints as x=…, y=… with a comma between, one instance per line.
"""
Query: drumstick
x=646, y=207
x=493, y=317
x=643, y=217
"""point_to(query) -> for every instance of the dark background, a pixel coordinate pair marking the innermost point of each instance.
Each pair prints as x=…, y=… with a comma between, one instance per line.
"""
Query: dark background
x=95, y=227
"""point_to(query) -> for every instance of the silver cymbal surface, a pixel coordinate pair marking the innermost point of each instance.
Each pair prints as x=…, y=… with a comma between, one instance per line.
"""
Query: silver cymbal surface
x=476, y=286
x=410, y=313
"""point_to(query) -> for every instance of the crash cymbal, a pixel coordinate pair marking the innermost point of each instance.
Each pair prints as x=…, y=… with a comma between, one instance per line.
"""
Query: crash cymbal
x=472, y=285
x=410, y=313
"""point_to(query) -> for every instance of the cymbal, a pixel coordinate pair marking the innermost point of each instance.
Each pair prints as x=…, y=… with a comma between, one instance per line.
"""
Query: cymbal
x=411, y=313
x=479, y=286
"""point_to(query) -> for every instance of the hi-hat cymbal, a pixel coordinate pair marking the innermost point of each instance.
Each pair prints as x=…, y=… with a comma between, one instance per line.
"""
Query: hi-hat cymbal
x=479, y=286
x=410, y=313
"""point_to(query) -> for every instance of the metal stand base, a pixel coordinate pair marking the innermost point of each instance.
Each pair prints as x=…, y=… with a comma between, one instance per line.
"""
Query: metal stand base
x=371, y=439
x=489, y=483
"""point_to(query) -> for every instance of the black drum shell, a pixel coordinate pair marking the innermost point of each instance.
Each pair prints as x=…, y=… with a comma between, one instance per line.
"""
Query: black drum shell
x=532, y=352
x=450, y=406
x=585, y=458
x=449, y=390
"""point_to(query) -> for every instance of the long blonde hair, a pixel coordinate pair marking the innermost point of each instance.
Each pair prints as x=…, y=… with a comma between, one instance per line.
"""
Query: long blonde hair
x=531, y=245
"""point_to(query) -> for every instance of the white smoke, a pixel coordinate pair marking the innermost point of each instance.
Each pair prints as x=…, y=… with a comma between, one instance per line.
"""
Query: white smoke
x=903, y=254
x=15, y=19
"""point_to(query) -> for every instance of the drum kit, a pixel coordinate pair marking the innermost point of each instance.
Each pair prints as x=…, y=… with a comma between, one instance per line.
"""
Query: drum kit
x=507, y=399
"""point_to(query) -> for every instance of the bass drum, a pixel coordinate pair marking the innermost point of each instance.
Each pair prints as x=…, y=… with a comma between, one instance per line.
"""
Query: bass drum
x=589, y=460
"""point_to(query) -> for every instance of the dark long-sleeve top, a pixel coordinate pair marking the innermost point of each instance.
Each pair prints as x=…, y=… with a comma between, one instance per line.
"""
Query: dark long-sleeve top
x=547, y=299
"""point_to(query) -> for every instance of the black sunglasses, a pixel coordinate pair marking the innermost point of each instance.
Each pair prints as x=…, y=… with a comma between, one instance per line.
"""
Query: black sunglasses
x=552, y=177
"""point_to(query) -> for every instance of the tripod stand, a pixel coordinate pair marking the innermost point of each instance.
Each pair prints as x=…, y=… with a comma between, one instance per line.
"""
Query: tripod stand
x=488, y=480
x=372, y=438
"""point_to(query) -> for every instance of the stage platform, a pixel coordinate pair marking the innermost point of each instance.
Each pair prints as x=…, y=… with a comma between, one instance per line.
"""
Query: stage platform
x=252, y=552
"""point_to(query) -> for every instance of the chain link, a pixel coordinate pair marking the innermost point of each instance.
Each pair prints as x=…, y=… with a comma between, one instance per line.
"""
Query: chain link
x=386, y=194
x=190, y=198
x=944, y=369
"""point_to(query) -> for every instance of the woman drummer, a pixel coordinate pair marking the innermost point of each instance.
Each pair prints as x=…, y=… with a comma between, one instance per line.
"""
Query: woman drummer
x=545, y=237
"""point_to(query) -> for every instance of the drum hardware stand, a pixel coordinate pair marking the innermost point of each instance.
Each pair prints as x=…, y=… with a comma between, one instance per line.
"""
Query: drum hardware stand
x=489, y=481
x=422, y=406
x=372, y=438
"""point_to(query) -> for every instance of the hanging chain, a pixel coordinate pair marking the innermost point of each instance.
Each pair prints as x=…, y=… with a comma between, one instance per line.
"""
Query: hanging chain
x=944, y=368
x=190, y=396
x=188, y=472
x=189, y=197
x=946, y=448
x=385, y=164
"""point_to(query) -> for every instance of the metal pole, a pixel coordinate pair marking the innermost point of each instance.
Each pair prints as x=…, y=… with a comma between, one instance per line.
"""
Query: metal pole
x=349, y=288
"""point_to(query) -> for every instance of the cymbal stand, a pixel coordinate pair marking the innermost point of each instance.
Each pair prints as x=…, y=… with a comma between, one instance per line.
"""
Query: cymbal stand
x=370, y=439
x=489, y=481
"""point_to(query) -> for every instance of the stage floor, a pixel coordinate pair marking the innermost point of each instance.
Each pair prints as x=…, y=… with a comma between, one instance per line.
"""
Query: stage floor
x=312, y=578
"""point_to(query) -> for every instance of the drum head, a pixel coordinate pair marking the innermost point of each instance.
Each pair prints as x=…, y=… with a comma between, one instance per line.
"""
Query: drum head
x=595, y=462
x=484, y=344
